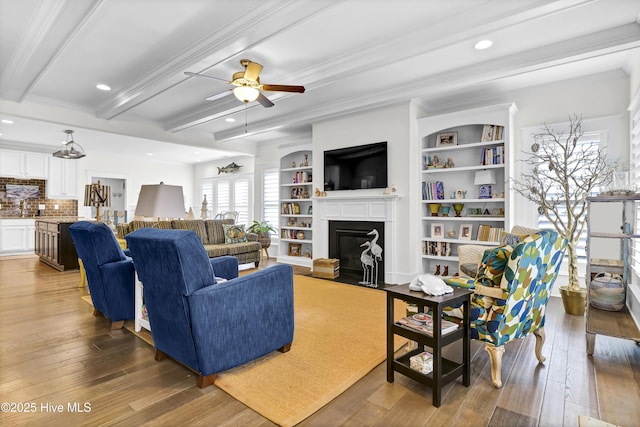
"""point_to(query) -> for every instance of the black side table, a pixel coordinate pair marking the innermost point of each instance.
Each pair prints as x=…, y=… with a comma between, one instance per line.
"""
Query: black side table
x=444, y=370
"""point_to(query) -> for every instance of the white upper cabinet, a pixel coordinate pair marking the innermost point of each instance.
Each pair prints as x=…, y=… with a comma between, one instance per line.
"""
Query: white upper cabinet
x=63, y=179
x=20, y=164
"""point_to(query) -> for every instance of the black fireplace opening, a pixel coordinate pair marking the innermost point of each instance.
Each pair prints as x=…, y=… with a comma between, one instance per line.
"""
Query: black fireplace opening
x=359, y=245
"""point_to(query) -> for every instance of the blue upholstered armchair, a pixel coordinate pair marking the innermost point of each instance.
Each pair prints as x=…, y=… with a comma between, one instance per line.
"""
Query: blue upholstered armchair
x=110, y=272
x=206, y=325
x=511, y=291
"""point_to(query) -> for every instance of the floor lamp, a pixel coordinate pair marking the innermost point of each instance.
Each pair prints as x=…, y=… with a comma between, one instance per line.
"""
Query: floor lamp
x=97, y=195
x=161, y=201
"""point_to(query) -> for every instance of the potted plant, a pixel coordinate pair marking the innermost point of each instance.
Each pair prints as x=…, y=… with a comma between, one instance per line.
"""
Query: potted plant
x=562, y=174
x=263, y=229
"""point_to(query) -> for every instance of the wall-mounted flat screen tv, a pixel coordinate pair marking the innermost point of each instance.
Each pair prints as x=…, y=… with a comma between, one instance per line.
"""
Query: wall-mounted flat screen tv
x=355, y=168
x=22, y=192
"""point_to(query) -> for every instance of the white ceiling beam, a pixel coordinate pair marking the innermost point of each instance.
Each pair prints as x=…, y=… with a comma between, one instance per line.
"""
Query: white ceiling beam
x=605, y=42
x=50, y=30
x=469, y=24
x=252, y=28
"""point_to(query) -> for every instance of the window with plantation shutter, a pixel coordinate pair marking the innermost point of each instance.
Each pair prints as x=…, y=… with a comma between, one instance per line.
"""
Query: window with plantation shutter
x=634, y=176
x=223, y=197
x=228, y=194
x=241, y=200
x=206, y=190
x=270, y=206
x=590, y=143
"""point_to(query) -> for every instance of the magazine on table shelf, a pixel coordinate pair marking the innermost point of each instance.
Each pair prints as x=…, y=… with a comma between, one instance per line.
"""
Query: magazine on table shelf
x=423, y=322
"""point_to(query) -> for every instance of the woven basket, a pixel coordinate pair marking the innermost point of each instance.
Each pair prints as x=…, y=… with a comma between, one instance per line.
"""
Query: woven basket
x=607, y=292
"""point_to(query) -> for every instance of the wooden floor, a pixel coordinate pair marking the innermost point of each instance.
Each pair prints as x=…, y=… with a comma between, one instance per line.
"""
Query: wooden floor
x=59, y=365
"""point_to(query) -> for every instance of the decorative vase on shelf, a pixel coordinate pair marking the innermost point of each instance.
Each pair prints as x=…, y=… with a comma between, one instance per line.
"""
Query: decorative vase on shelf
x=434, y=208
x=300, y=235
x=445, y=210
x=457, y=207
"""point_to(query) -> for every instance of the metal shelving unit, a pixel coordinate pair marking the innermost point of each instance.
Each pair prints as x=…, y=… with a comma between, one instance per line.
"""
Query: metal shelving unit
x=618, y=324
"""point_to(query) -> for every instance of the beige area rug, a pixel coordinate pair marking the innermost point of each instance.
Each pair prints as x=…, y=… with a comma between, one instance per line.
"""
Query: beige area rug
x=339, y=337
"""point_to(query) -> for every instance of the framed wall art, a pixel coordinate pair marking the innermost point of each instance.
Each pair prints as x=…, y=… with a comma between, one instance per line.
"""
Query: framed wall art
x=446, y=139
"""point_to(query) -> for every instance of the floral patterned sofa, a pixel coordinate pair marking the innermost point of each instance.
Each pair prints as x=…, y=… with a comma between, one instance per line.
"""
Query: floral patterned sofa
x=218, y=236
x=511, y=291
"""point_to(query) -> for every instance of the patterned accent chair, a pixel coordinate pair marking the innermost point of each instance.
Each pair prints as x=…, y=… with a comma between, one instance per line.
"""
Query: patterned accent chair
x=511, y=291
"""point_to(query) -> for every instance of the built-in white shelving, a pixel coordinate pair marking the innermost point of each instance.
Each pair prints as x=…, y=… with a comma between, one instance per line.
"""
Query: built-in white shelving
x=455, y=147
x=296, y=209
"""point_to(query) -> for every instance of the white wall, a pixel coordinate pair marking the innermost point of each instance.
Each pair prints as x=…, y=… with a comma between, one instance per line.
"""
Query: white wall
x=603, y=95
x=136, y=173
x=211, y=170
x=593, y=97
x=391, y=124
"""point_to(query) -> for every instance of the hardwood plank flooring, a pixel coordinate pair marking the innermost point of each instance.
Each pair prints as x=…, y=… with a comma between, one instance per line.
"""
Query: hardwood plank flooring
x=53, y=351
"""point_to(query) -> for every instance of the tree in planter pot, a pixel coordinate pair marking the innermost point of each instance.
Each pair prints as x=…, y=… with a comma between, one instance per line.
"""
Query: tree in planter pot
x=263, y=229
x=563, y=173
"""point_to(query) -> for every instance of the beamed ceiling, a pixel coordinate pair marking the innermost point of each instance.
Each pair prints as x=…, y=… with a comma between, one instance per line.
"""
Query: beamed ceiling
x=350, y=55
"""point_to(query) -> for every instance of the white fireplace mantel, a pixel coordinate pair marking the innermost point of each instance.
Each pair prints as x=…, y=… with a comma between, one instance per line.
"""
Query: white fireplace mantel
x=349, y=207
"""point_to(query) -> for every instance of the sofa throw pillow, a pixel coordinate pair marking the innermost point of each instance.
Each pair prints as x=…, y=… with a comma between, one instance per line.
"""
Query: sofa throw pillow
x=512, y=239
x=234, y=233
x=494, y=261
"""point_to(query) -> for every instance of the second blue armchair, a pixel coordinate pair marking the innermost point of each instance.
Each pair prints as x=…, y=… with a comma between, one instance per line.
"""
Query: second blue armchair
x=207, y=325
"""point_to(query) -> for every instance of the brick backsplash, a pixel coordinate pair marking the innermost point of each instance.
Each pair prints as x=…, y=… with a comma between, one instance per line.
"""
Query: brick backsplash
x=11, y=207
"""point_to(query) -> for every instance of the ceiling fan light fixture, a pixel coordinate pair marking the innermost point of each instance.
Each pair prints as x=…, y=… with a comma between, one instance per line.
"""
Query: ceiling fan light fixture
x=246, y=93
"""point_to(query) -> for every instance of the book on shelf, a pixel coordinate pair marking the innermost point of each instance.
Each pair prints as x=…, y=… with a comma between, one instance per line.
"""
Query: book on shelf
x=492, y=156
x=423, y=322
x=436, y=248
x=302, y=177
x=487, y=233
x=492, y=133
x=432, y=190
x=290, y=209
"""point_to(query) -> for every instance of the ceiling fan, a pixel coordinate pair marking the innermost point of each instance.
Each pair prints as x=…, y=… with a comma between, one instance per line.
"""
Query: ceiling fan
x=247, y=85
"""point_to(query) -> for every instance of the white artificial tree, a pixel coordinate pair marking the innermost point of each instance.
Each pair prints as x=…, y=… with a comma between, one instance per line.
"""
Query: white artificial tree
x=563, y=173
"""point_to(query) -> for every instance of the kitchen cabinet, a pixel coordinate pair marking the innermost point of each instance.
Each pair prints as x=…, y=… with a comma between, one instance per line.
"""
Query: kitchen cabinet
x=54, y=245
x=17, y=236
x=63, y=179
x=22, y=164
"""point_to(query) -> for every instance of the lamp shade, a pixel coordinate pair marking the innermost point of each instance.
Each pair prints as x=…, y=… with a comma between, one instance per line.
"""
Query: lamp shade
x=161, y=201
x=485, y=176
x=97, y=195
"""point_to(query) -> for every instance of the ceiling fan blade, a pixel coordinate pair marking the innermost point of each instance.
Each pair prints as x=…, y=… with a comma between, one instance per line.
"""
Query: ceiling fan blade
x=219, y=95
x=204, y=75
x=264, y=101
x=252, y=71
x=283, y=88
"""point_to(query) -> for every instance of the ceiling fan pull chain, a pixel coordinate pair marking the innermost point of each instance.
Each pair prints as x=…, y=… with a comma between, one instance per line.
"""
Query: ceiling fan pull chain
x=246, y=126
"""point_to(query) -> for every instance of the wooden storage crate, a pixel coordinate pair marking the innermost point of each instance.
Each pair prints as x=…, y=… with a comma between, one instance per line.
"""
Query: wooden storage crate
x=326, y=268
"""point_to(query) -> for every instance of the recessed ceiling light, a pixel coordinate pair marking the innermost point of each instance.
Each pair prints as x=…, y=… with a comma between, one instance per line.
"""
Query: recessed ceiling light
x=103, y=86
x=149, y=154
x=7, y=121
x=230, y=120
x=483, y=44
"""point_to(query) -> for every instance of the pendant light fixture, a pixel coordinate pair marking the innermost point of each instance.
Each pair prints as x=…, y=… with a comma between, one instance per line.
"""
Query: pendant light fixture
x=71, y=149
